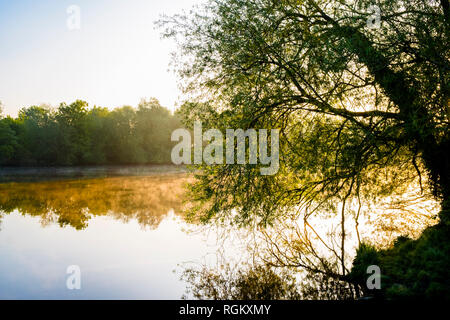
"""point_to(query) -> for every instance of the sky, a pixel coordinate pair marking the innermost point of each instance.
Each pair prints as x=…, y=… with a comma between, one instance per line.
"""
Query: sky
x=114, y=57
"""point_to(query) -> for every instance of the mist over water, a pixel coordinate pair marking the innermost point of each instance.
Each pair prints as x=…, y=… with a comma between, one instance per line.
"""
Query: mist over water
x=125, y=234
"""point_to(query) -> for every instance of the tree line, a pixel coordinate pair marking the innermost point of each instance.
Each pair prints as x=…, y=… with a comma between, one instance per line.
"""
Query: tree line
x=75, y=134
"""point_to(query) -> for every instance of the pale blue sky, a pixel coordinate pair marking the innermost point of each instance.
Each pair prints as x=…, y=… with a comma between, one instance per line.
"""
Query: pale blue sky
x=116, y=58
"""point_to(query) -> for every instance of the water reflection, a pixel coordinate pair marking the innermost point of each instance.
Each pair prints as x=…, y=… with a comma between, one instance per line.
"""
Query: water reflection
x=73, y=203
x=120, y=258
x=125, y=233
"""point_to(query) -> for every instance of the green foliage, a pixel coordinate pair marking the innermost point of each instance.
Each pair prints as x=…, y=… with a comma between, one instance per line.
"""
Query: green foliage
x=363, y=113
x=350, y=101
x=8, y=140
x=366, y=255
x=76, y=135
x=416, y=269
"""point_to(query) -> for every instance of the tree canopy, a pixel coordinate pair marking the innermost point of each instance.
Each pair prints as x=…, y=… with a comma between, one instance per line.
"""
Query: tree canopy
x=363, y=111
x=77, y=135
x=349, y=100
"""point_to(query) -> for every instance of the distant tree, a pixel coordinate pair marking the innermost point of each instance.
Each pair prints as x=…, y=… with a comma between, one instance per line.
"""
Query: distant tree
x=125, y=146
x=76, y=135
x=39, y=135
x=97, y=126
x=8, y=141
x=73, y=140
x=154, y=126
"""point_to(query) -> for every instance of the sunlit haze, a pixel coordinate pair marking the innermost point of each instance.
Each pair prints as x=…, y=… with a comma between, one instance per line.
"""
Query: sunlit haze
x=116, y=58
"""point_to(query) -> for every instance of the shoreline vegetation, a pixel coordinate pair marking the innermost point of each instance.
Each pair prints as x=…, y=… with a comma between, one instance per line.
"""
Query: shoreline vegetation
x=78, y=135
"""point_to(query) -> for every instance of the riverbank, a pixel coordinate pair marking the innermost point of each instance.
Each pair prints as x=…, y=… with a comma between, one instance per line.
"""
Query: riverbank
x=19, y=174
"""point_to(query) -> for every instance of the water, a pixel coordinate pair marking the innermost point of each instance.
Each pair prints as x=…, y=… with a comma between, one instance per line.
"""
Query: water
x=125, y=234
x=130, y=241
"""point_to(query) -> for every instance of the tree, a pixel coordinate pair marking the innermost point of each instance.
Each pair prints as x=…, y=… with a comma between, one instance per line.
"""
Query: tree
x=124, y=141
x=8, y=141
x=76, y=135
x=38, y=135
x=98, y=118
x=363, y=112
x=154, y=126
x=73, y=135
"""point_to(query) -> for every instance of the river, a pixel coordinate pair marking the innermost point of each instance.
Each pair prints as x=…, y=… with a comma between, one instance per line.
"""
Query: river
x=124, y=233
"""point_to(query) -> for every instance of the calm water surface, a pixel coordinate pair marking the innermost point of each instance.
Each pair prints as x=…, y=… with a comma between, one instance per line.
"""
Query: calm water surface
x=128, y=237
x=125, y=234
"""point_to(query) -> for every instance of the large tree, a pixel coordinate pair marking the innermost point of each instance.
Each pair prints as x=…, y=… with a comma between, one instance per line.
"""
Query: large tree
x=363, y=107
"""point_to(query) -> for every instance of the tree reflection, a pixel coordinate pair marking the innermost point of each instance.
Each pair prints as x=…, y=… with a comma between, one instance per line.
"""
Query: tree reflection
x=263, y=282
x=301, y=256
x=75, y=202
x=231, y=283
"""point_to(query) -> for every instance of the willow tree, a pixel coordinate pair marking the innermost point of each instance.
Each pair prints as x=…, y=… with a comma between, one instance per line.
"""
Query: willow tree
x=359, y=90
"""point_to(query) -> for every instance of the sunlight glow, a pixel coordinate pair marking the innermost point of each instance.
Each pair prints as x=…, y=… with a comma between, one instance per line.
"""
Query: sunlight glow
x=116, y=58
